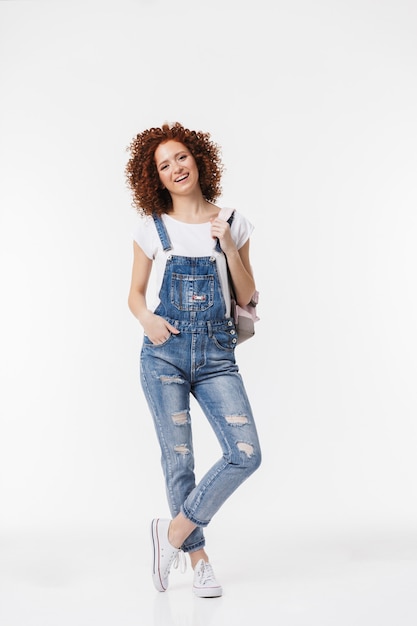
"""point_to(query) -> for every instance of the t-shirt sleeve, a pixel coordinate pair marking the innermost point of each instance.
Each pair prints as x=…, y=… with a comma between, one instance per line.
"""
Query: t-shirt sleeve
x=241, y=229
x=145, y=235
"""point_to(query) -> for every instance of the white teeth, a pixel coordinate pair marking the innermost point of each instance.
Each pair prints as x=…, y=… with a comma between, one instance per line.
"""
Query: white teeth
x=177, y=180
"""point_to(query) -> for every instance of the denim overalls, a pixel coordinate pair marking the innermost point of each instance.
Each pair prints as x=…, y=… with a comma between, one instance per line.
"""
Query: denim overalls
x=200, y=361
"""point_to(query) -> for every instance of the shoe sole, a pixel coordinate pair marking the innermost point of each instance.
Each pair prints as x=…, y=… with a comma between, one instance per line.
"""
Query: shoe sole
x=214, y=592
x=156, y=574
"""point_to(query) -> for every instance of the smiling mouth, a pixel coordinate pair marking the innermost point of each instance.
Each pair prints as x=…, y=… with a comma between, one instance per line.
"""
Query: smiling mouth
x=181, y=178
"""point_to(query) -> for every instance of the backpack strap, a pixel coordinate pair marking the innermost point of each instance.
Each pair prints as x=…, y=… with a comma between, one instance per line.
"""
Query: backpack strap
x=227, y=215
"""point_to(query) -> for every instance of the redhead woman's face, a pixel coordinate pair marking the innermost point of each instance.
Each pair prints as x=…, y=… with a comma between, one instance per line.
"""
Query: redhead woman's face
x=176, y=167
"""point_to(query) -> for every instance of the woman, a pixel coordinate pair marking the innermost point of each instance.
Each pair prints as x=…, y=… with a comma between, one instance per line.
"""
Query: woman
x=189, y=337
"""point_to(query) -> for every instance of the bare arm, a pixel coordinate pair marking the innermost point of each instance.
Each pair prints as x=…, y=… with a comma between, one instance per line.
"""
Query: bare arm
x=154, y=326
x=238, y=261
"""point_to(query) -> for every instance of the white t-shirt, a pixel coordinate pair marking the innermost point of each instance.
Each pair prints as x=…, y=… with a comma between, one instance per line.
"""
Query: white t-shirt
x=192, y=240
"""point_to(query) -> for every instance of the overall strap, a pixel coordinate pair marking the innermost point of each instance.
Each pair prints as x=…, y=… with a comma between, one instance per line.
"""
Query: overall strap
x=162, y=232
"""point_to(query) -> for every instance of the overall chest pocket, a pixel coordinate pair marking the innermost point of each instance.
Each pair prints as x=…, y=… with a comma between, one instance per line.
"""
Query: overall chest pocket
x=192, y=293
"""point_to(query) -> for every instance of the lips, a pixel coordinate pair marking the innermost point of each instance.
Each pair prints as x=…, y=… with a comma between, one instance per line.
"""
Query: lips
x=181, y=178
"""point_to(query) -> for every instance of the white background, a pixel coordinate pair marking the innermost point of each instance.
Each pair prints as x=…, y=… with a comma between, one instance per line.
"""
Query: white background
x=314, y=105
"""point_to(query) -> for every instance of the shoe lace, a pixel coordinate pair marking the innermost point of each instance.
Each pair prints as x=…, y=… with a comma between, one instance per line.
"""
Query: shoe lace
x=206, y=574
x=179, y=561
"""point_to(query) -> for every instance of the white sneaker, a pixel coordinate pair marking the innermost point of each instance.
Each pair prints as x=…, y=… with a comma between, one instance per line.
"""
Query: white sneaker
x=164, y=554
x=205, y=584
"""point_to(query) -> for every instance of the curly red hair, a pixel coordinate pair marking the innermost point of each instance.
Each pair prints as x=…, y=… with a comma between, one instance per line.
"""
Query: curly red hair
x=142, y=176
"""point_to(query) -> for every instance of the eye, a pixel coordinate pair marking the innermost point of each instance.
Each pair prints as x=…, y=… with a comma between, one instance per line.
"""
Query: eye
x=164, y=167
x=183, y=156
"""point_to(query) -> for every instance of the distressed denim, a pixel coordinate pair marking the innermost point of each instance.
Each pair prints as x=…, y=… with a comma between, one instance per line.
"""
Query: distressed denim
x=199, y=361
